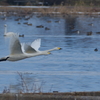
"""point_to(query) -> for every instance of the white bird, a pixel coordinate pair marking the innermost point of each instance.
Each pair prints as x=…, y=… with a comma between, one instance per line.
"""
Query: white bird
x=20, y=51
x=6, y=33
x=5, y=30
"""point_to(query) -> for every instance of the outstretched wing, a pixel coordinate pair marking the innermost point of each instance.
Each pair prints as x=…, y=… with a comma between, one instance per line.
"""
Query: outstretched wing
x=36, y=44
x=33, y=48
x=27, y=48
x=15, y=46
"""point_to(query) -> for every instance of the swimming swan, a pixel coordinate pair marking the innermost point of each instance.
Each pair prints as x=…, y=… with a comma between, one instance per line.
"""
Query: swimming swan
x=5, y=30
x=6, y=33
x=20, y=51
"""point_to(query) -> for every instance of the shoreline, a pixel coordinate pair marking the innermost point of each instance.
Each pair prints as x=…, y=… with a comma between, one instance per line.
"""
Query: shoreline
x=58, y=10
x=51, y=96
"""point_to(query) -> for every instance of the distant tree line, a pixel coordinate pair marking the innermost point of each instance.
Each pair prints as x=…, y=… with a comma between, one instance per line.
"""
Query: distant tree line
x=72, y=2
x=83, y=2
x=55, y=2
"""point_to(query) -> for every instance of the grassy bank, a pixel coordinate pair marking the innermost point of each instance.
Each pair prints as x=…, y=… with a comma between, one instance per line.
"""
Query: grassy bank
x=52, y=10
x=52, y=96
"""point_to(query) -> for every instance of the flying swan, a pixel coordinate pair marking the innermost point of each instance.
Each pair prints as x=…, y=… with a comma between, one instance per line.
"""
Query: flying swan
x=20, y=51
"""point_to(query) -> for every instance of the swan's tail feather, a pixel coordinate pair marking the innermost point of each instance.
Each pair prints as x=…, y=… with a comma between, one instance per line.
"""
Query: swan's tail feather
x=4, y=58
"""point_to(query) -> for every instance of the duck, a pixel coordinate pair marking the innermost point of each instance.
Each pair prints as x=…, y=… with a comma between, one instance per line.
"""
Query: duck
x=91, y=24
x=89, y=33
x=21, y=35
x=95, y=49
x=46, y=28
x=29, y=24
x=40, y=26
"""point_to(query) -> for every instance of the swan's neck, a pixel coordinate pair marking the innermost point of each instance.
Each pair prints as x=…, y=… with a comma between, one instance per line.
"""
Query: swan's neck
x=5, y=31
x=56, y=48
x=36, y=54
x=51, y=49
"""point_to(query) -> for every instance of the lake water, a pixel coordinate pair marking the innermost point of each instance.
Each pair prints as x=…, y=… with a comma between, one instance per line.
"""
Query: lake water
x=74, y=68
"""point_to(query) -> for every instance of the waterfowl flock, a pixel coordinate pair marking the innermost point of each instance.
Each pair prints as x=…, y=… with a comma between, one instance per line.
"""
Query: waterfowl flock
x=26, y=19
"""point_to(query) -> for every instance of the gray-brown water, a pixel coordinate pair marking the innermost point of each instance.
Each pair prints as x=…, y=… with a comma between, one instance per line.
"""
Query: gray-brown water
x=74, y=68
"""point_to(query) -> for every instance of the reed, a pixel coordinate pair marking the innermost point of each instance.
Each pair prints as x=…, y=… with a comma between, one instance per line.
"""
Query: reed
x=7, y=97
x=54, y=9
x=26, y=84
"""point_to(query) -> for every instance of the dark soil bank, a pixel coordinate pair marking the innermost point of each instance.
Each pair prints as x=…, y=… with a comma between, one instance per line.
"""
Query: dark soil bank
x=52, y=96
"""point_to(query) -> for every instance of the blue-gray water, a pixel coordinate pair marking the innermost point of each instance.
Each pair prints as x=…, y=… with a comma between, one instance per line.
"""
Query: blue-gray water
x=74, y=68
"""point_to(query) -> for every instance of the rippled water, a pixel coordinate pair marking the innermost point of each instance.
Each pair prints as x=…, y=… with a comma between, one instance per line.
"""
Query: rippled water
x=74, y=68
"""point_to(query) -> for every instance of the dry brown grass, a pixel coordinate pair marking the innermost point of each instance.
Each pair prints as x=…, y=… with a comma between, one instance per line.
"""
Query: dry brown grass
x=7, y=97
x=53, y=9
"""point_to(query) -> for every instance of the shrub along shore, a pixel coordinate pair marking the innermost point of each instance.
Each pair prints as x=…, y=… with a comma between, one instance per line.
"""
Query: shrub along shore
x=62, y=10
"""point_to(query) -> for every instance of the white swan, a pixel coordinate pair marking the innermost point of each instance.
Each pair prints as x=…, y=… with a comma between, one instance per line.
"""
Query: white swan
x=20, y=51
x=6, y=33
x=5, y=30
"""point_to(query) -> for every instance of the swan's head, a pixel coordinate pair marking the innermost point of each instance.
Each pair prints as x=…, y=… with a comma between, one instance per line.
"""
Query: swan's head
x=5, y=25
x=57, y=48
x=48, y=52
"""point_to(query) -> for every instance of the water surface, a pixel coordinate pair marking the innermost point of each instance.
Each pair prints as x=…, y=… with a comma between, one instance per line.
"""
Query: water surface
x=74, y=68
